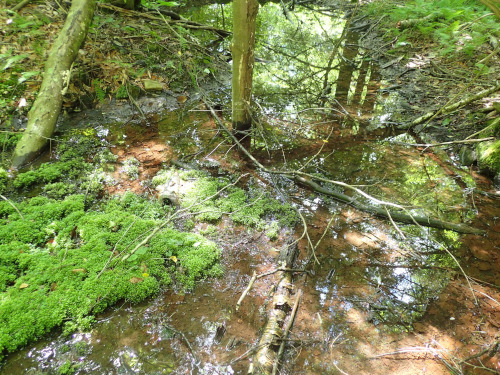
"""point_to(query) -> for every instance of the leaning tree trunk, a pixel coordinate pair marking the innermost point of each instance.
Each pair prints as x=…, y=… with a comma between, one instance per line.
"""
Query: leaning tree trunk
x=43, y=115
x=244, y=20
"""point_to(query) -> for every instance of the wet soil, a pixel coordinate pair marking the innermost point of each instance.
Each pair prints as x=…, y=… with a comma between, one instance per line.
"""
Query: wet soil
x=373, y=303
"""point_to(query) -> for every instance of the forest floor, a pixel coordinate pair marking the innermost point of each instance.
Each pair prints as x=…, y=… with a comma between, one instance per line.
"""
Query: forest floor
x=459, y=329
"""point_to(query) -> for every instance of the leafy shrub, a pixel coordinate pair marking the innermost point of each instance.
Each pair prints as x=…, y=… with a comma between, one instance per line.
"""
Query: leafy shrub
x=457, y=25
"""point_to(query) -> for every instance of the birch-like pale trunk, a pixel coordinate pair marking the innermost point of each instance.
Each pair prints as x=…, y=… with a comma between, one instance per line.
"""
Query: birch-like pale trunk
x=43, y=115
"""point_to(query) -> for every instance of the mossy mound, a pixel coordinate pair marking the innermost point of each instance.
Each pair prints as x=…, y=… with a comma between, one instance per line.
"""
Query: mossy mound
x=210, y=198
x=488, y=157
x=60, y=263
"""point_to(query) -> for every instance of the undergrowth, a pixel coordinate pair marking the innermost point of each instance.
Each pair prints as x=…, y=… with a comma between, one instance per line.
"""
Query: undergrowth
x=456, y=25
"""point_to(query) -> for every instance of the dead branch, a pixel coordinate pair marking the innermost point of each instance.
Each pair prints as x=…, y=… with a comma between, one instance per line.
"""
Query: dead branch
x=428, y=145
x=451, y=108
x=177, y=19
x=245, y=292
x=396, y=216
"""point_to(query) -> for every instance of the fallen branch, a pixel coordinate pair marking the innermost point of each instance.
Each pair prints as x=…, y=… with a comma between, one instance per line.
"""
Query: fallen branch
x=451, y=108
x=396, y=216
x=245, y=292
x=177, y=19
x=20, y=5
x=427, y=145
x=264, y=360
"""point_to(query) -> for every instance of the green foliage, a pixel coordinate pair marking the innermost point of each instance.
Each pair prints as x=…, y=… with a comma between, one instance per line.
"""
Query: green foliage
x=15, y=67
x=9, y=140
x=4, y=177
x=62, y=264
x=100, y=92
x=457, y=25
x=121, y=93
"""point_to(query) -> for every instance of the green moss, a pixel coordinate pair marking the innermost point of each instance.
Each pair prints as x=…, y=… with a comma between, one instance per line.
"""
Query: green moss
x=488, y=156
x=195, y=189
x=63, y=264
x=272, y=230
x=66, y=368
x=59, y=190
x=4, y=178
x=51, y=172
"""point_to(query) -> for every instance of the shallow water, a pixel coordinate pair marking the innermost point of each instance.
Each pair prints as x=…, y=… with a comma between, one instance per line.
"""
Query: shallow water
x=370, y=287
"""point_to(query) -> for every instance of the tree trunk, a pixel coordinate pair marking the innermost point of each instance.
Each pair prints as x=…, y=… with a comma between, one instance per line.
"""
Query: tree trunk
x=45, y=111
x=244, y=20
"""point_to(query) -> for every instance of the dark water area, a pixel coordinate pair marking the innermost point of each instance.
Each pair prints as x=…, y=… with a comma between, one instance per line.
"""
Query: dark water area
x=375, y=289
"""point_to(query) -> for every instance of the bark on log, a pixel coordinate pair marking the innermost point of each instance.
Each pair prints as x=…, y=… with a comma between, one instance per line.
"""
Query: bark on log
x=267, y=354
x=45, y=111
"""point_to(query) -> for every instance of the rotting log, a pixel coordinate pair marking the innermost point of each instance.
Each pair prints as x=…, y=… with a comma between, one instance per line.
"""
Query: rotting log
x=266, y=356
x=45, y=110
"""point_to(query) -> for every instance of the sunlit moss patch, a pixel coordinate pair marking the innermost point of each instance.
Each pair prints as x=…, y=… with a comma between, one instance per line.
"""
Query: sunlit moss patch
x=62, y=264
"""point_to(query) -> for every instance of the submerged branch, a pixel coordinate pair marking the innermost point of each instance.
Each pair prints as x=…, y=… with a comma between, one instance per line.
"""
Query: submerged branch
x=396, y=216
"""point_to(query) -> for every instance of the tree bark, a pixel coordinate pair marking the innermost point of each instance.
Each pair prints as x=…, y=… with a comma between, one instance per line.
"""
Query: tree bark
x=45, y=111
x=266, y=356
x=244, y=21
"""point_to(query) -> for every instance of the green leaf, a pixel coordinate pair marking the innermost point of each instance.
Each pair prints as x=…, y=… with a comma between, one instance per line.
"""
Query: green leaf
x=168, y=3
x=26, y=76
x=142, y=250
x=13, y=60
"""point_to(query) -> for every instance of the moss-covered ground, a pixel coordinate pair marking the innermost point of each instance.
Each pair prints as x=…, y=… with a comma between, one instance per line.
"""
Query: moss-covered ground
x=68, y=252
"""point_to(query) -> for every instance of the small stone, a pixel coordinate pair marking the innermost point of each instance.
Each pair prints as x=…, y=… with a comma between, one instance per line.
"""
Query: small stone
x=467, y=156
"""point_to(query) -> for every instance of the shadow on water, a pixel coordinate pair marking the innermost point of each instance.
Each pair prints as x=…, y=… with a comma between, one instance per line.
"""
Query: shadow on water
x=371, y=285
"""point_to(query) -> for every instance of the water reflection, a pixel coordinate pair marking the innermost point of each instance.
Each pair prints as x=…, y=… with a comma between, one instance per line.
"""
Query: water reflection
x=368, y=276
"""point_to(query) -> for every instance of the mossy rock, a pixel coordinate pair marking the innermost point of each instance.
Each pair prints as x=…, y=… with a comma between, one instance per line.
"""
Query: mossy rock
x=488, y=157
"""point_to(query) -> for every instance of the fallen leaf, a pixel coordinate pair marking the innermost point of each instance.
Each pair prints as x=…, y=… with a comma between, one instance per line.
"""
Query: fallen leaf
x=182, y=99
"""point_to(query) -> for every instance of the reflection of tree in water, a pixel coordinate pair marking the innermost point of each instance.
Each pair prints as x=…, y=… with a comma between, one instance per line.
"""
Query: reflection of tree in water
x=310, y=62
